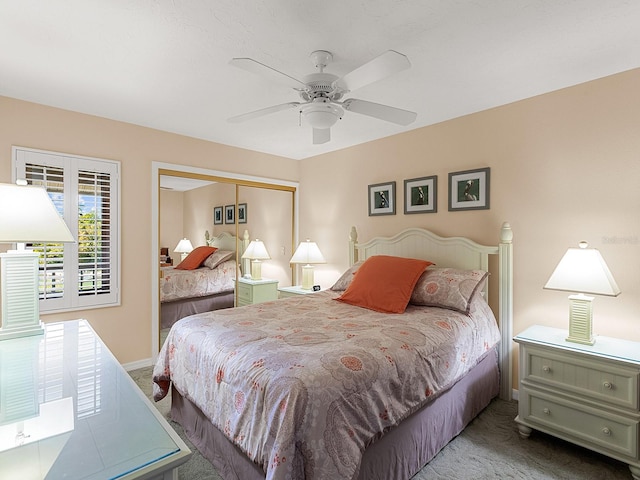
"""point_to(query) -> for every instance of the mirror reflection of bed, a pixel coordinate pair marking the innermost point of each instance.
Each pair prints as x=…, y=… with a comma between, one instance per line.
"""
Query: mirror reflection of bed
x=337, y=388
x=204, y=282
x=186, y=210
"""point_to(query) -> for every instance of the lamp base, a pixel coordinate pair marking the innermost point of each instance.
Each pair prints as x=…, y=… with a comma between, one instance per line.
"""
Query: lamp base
x=256, y=270
x=307, y=277
x=581, y=319
x=19, y=294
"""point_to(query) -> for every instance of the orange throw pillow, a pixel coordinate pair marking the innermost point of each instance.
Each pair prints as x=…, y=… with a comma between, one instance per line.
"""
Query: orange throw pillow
x=384, y=283
x=195, y=258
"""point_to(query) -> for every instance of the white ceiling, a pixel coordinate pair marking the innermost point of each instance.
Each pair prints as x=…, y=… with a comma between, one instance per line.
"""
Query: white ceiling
x=165, y=63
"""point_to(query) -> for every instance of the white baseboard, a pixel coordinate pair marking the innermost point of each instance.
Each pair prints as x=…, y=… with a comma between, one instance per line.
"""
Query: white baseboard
x=515, y=395
x=147, y=362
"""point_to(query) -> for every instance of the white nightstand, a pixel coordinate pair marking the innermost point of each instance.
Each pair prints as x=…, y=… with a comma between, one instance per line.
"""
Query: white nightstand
x=256, y=291
x=585, y=394
x=293, y=291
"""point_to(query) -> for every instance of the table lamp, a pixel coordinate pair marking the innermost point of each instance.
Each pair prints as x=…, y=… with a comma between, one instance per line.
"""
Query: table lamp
x=256, y=252
x=306, y=254
x=27, y=214
x=184, y=247
x=582, y=270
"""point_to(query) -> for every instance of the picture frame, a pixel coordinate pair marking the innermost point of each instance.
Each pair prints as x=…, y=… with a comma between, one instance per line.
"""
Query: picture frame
x=469, y=190
x=421, y=195
x=230, y=214
x=382, y=199
x=217, y=216
x=242, y=213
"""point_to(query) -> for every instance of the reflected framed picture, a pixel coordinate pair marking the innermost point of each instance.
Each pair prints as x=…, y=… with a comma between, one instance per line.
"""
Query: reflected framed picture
x=421, y=195
x=230, y=214
x=217, y=216
x=382, y=199
x=242, y=213
x=469, y=190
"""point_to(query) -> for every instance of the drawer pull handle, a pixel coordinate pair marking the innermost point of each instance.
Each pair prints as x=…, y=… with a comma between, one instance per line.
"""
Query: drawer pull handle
x=607, y=385
x=546, y=411
x=546, y=369
x=606, y=431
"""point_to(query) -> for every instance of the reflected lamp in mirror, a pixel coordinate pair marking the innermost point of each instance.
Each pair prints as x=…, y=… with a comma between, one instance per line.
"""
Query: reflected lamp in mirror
x=307, y=254
x=184, y=247
x=27, y=215
x=256, y=252
x=583, y=271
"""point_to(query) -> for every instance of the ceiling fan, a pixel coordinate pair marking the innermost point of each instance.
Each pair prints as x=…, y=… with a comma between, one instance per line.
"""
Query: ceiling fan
x=321, y=93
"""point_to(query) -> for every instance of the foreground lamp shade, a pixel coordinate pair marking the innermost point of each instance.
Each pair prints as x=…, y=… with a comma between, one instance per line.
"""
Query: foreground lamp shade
x=582, y=270
x=306, y=254
x=27, y=214
x=184, y=247
x=256, y=252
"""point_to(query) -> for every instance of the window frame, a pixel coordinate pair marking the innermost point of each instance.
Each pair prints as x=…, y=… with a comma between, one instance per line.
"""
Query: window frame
x=73, y=298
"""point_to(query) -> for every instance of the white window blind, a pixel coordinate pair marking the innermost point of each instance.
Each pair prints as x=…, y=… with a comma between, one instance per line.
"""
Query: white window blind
x=84, y=274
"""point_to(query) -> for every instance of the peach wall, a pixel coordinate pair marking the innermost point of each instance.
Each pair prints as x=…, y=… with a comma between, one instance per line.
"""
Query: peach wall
x=564, y=168
x=126, y=329
x=171, y=218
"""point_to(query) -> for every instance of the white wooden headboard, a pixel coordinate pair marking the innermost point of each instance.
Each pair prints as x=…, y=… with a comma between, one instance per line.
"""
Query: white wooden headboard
x=455, y=252
x=227, y=241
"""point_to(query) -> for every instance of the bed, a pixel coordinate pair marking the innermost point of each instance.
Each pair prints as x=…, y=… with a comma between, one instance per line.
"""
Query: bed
x=203, y=289
x=335, y=386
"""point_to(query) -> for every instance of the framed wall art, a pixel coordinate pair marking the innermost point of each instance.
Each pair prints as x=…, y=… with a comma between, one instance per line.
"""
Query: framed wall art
x=469, y=190
x=230, y=214
x=242, y=213
x=382, y=199
x=421, y=195
x=217, y=216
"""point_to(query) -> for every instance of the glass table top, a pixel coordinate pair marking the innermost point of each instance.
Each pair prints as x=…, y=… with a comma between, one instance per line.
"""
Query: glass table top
x=68, y=410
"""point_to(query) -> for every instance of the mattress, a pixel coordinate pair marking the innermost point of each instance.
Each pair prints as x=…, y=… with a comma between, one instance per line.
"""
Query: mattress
x=302, y=386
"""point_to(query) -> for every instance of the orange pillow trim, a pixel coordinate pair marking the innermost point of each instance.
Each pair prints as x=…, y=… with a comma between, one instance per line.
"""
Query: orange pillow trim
x=384, y=283
x=196, y=257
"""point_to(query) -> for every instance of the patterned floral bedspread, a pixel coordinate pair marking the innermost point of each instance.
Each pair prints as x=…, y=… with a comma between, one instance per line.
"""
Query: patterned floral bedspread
x=176, y=284
x=302, y=385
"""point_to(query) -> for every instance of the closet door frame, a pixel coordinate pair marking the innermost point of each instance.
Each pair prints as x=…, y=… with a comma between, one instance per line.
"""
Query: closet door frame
x=161, y=168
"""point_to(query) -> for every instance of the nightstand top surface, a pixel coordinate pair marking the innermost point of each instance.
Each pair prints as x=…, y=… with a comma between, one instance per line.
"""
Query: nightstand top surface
x=606, y=347
x=256, y=282
x=296, y=289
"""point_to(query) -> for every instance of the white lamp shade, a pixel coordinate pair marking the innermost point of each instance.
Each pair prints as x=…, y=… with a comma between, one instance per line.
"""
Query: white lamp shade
x=184, y=246
x=583, y=270
x=27, y=214
x=307, y=253
x=256, y=251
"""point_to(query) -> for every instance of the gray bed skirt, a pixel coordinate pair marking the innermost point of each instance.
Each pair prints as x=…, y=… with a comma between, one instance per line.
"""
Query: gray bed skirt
x=398, y=455
x=171, y=312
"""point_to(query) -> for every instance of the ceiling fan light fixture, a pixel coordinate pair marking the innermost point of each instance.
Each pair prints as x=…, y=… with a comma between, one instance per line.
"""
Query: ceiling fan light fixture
x=322, y=115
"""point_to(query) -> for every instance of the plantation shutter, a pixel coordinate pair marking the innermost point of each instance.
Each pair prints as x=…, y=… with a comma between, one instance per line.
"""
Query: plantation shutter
x=84, y=274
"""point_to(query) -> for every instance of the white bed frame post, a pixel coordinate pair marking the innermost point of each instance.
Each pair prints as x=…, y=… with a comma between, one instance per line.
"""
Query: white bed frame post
x=353, y=241
x=505, y=318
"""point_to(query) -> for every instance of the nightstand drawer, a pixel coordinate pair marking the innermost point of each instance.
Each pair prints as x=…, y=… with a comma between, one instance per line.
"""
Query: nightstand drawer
x=590, y=378
x=580, y=424
x=244, y=292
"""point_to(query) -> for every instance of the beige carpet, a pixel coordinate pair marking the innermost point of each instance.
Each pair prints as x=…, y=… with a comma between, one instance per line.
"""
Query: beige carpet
x=489, y=448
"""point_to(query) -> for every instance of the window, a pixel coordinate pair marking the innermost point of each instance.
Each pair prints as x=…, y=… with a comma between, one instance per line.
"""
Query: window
x=84, y=274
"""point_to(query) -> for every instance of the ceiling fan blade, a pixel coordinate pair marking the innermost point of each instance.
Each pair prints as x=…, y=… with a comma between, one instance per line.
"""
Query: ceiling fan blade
x=383, y=112
x=321, y=135
x=262, y=111
x=380, y=67
x=258, y=68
